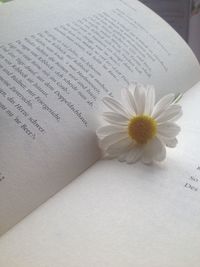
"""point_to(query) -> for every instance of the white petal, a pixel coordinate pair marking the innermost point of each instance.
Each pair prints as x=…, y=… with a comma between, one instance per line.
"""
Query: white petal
x=162, y=104
x=120, y=147
x=161, y=155
x=150, y=100
x=177, y=116
x=174, y=111
x=122, y=157
x=132, y=87
x=115, y=118
x=168, y=130
x=115, y=106
x=129, y=101
x=146, y=158
x=172, y=142
x=110, y=129
x=153, y=146
x=111, y=139
x=134, y=154
x=139, y=96
x=154, y=150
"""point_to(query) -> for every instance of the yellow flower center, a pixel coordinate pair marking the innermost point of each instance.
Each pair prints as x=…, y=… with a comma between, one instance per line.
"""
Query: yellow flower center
x=142, y=128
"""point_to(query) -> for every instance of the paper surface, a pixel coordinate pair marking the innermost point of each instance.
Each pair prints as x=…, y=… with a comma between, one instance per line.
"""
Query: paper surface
x=117, y=215
x=56, y=62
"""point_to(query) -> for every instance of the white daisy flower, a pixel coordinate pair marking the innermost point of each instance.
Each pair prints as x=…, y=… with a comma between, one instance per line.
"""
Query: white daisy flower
x=139, y=128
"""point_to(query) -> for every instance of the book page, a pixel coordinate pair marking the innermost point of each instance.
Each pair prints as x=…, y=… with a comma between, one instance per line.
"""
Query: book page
x=176, y=13
x=117, y=214
x=56, y=62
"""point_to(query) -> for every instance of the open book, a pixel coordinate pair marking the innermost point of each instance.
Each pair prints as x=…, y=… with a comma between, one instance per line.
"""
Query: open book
x=57, y=60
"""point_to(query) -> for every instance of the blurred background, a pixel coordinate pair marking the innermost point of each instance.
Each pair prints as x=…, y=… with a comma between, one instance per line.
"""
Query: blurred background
x=183, y=16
